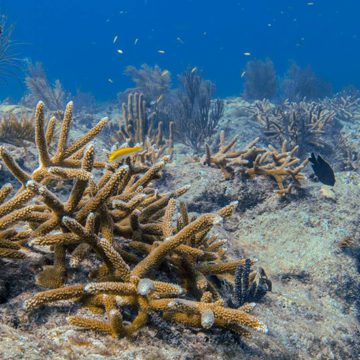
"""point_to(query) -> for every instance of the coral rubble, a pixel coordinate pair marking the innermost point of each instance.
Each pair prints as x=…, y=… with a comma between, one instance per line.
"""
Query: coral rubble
x=147, y=254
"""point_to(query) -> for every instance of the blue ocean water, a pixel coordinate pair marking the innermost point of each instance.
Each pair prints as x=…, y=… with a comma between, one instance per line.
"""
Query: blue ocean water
x=74, y=39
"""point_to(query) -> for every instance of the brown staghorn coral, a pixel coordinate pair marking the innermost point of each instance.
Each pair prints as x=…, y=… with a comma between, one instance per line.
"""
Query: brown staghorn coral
x=65, y=155
x=281, y=165
x=9, y=240
x=149, y=252
x=137, y=126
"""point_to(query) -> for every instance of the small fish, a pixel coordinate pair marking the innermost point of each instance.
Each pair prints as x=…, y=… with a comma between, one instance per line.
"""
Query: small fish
x=110, y=81
x=115, y=39
x=310, y=3
x=322, y=170
x=243, y=74
x=161, y=51
x=180, y=40
x=165, y=73
x=123, y=152
x=159, y=98
x=119, y=51
x=247, y=53
x=136, y=41
x=194, y=69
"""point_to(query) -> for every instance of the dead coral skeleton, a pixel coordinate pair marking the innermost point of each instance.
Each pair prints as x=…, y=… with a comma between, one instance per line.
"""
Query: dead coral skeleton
x=282, y=166
x=151, y=257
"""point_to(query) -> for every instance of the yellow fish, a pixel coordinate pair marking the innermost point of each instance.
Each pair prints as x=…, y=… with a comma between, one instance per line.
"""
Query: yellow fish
x=123, y=152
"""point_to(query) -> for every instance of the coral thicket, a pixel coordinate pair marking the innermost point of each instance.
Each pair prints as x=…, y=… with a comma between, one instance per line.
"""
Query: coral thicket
x=147, y=253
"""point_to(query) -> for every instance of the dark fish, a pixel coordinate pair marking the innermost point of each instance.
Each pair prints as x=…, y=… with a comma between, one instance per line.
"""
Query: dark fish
x=322, y=170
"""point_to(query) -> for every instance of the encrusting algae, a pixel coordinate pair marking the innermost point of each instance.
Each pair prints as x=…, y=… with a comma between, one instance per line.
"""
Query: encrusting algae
x=152, y=256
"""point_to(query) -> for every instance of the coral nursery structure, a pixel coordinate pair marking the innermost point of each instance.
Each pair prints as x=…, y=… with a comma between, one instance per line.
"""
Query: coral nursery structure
x=147, y=256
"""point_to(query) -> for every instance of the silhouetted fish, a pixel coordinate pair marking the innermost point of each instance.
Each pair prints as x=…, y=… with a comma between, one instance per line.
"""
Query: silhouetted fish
x=322, y=170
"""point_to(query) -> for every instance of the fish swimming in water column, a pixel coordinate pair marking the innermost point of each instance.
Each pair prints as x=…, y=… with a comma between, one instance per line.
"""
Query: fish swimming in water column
x=123, y=152
x=322, y=170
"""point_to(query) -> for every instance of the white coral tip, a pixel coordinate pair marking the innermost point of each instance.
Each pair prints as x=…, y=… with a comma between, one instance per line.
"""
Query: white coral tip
x=145, y=286
x=262, y=328
x=217, y=220
x=89, y=288
x=123, y=167
x=30, y=183
x=207, y=319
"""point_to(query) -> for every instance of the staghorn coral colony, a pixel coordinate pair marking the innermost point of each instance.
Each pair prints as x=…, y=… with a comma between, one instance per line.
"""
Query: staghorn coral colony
x=148, y=254
x=282, y=166
x=179, y=225
x=121, y=250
